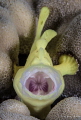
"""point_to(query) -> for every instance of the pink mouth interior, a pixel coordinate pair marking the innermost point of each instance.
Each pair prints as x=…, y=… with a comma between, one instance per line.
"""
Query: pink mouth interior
x=40, y=84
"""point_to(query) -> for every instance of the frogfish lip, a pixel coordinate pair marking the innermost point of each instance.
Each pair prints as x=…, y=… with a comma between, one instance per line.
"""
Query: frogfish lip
x=40, y=80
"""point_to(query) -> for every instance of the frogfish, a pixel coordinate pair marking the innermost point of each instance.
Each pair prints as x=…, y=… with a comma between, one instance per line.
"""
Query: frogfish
x=39, y=83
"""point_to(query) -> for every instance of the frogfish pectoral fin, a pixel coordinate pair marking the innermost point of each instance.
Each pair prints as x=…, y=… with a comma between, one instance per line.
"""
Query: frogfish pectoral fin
x=68, y=65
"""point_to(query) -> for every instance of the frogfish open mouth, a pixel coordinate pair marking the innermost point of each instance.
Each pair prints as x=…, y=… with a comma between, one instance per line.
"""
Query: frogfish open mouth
x=41, y=80
x=39, y=83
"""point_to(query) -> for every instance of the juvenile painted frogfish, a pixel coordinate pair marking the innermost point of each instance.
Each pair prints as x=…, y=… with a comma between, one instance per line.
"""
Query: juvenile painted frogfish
x=39, y=83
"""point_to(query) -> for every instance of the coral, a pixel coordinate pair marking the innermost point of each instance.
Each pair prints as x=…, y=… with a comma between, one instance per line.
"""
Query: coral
x=25, y=25
x=60, y=11
x=30, y=2
x=15, y=116
x=69, y=43
x=14, y=110
x=14, y=106
x=67, y=109
x=5, y=71
x=17, y=28
x=9, y=41
x=65, y=18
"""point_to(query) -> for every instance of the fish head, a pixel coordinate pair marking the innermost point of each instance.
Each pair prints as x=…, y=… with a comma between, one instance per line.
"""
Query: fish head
x=40, y=83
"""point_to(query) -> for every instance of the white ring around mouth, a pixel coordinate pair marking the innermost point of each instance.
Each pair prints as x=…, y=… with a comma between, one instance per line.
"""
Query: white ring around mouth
x=53, y=81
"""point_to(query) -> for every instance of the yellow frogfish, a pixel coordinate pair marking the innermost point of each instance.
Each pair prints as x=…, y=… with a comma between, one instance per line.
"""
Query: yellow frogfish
x=39, y=83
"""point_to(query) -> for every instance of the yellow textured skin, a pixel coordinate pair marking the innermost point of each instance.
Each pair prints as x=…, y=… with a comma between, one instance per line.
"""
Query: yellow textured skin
x=39, y=105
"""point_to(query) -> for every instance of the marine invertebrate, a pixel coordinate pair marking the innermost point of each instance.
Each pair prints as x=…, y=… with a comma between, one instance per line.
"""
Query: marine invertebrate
x=14, y=106
x=13, y=116
x=5, y=73
x=69, y=43
x=65, y=18
x=14, y=110
x=25, y=25
x=30, y=2
x=60, y=12
x=8, y=43
x=17, y=23
x=67, y=109
x=39, y=83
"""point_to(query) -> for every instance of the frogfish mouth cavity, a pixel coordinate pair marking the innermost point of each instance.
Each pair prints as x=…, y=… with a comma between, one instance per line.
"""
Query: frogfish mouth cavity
x=39, y=83
x=40, y=80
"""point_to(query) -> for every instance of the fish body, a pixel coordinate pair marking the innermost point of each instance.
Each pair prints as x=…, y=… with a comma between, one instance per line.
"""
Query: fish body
x=39, y=83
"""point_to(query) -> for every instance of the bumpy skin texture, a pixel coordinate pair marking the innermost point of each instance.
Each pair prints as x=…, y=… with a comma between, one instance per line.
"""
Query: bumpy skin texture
x=5, y=72
x=67, y=109
x=15, y=116
x=61, y=11
x=14, y=110
x=9, y=40
x=69, y=43
x=17, y=28
x=24, y=25
x=30, y=2
x=65, y=18
x=14, y=106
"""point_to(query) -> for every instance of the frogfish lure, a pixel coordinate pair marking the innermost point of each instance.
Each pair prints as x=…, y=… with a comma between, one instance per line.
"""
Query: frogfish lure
x=39, y=83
